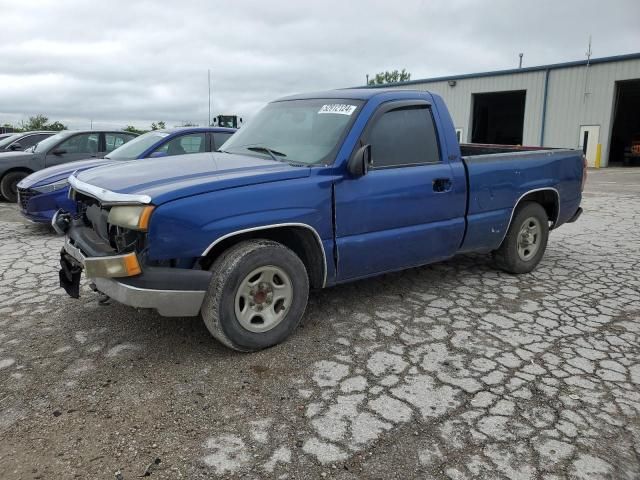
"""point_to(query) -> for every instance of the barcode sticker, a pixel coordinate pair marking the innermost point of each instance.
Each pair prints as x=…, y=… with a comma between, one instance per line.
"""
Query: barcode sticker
x=339, y=108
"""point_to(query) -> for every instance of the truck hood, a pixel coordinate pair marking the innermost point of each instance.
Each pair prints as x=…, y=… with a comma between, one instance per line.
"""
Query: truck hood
x=170, y=178
x=59, y=172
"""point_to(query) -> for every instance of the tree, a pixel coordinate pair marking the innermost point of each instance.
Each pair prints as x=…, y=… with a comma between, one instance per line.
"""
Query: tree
x=157, y=126
x=35, y=123
x=132, y=129
x=40, y=122
x=56, y=126
x=390, y=77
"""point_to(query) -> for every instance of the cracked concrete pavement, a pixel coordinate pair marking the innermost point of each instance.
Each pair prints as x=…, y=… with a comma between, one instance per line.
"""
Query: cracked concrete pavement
x=450, y=371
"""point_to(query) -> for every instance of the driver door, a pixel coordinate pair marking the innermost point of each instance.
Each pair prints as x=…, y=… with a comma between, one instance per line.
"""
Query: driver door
x=78, y=147
x=408, y=210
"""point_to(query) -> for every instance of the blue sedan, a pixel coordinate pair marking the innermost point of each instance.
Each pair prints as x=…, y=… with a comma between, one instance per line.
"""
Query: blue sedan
x=42, y=193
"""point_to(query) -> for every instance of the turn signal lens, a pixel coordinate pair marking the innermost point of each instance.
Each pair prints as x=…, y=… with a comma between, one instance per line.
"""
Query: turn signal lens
x=143, y=222
x=131, y=265
x=112, y=267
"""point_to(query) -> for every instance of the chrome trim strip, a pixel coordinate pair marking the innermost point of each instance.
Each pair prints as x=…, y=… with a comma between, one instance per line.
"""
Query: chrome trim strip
x=73, y=250
x=524, y=195
x=275, y=225
x=168, y=303
x=107, y=196
x=54, y=225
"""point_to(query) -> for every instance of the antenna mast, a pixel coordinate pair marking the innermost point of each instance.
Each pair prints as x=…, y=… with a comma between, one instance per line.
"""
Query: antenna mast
x=209, y=85
x=586, y=72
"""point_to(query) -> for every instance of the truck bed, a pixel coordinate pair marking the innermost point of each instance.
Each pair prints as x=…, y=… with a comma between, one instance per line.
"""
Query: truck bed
x=498, y=176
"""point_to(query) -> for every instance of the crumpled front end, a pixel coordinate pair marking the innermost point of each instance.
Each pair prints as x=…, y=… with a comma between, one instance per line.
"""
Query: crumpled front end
x=107, y=240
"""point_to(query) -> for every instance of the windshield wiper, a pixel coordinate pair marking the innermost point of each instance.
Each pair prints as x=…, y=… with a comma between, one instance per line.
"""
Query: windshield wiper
x=272, y=153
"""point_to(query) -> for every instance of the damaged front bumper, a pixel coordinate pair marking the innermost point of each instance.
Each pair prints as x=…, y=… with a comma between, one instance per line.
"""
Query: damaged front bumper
x=173, y=292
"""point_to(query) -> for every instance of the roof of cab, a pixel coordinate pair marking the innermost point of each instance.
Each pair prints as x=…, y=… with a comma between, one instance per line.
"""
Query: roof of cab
x=350, y=93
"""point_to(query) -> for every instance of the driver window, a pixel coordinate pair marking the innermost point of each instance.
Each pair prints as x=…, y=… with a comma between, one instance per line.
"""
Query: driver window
x=83, y=143
x=403, y=137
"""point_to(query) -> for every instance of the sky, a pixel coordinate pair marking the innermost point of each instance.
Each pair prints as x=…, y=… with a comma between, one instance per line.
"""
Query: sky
x=117, y=63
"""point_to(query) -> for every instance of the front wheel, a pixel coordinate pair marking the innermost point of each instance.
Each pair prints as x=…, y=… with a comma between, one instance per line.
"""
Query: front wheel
x=526, y=240
x=257, y=295
x=9, y=185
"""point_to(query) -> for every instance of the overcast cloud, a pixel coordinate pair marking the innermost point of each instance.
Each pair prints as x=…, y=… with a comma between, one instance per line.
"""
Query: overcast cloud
x=133, y=62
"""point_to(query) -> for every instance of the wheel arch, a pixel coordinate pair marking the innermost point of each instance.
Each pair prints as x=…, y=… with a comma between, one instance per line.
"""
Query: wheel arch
x=547, y=197
x=16, y=169
x=301, y=238
x=11, y=170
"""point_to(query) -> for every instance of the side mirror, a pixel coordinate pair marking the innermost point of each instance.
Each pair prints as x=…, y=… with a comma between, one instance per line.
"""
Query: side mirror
x=15, y=146
x=360, y=161
x=158, y=154
x=59, y=151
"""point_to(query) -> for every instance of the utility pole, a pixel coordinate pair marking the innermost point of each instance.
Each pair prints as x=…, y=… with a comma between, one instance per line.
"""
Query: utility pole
x=209, y=83
x=367, y=79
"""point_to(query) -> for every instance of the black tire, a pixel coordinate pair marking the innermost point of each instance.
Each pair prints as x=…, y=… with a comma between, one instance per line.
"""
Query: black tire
x=229, y=272
x=8, y=185
x=507, y=257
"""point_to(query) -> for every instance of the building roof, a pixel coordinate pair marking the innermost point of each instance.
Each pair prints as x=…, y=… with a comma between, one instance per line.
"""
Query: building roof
x=552, y=66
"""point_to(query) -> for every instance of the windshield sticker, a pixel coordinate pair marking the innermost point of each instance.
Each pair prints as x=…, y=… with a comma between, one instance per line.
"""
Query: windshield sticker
x=339, y=108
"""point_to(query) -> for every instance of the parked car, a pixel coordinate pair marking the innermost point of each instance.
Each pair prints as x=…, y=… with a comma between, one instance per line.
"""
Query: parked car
x=314, y=191
x=66, y=146
x=5, y=135
x=42, y=193
x=16, y=142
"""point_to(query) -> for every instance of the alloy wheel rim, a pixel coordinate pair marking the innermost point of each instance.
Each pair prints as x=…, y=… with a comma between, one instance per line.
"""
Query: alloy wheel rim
x=529, y=236
x=263, y=298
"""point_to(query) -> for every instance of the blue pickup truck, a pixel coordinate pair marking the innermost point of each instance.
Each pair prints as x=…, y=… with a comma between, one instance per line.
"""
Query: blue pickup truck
x=316, y=190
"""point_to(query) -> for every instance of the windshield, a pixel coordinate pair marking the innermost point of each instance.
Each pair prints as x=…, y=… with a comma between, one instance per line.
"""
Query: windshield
x=296, y=131
x=49, y=142
x=134, y=148
x=6, y=141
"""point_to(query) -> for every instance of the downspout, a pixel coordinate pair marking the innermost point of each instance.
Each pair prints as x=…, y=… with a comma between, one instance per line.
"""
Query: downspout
x=544, y=106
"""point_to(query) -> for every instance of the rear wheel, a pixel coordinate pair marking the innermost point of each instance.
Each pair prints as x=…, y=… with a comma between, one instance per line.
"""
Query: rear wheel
x=9, y=185
x=257, y=296
x=526, y=240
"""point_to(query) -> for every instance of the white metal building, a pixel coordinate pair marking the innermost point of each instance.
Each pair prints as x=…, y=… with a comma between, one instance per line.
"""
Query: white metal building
x=593, y=105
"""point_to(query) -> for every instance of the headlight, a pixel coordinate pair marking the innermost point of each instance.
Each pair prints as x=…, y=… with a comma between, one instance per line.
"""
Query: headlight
x=135, y=217
x=51, y=187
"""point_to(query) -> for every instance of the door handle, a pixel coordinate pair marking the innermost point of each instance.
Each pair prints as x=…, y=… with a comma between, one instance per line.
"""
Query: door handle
x=441, y=185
